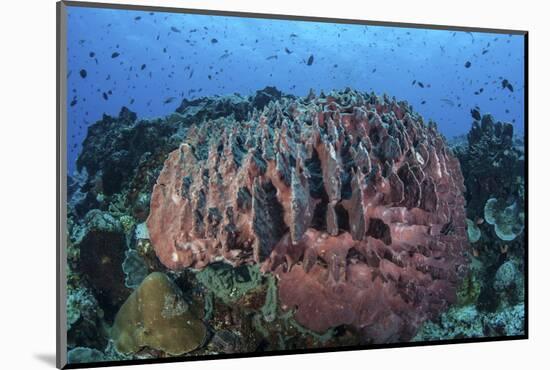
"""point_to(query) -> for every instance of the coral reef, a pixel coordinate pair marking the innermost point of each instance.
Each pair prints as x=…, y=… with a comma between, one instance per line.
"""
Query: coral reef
x=509, y=284
x=492, y=164
x=492, y=161
x=490, y=300
x=470, y=322
x=84, y=318
x=135, y=269
x=85, y=355
x=157, y=317
x=227, y=283
x=123, y=155
x=363, y=200
x=102, y=245
x=468, y=292
x=290, y=223
x=473, y=231
x=507, y=220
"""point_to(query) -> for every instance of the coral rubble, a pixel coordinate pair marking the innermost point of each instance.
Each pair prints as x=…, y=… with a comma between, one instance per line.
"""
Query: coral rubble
x=349, y=199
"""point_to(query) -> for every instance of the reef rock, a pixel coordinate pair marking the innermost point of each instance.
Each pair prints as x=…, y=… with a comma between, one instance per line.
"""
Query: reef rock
x=155, y=316
x=102, y=244
x=349, y=199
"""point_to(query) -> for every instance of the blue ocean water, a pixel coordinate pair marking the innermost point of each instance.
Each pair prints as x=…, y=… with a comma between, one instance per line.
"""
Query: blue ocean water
x=150, y=61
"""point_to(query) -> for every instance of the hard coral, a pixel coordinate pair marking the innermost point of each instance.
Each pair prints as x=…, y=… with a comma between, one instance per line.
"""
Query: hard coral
x=508, y=221
x=350, y=199
x=155, y=316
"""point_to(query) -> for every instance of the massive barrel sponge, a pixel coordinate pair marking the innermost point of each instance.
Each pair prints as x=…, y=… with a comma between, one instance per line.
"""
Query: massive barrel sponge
x=349, y=199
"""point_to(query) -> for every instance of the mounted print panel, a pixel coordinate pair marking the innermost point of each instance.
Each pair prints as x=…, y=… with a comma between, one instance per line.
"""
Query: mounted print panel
x=246, y=184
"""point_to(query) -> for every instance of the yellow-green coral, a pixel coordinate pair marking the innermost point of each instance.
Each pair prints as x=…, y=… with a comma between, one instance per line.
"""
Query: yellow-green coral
x=156, y=316
x=127, y=223
x=468, y=292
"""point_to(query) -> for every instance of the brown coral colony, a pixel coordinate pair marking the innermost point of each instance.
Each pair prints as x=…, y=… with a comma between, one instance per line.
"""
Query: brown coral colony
x=349, y=199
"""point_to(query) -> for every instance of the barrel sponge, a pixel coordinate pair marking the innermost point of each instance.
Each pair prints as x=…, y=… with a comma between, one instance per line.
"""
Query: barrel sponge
x=157, y=317
x=351, y=200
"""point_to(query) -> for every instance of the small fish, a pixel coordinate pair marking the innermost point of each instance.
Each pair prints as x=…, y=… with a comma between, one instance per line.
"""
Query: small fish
x=137, y=18
x=92, y=54
x=73, y=102
x=423, y=102
x=484, y=52
x=214, y=41
x=310, y=60
x=507, y=85
x=143, y=66
x=169, y=100
x=293, y=35
x=115, y=54
x=175, y=29
x=288, y=51
x=271, y=57
x=132, y=101
x=468, y=64
x=83, y=73
x=448, y=102
x=475, y=114
x=420, y=84
x=374, y=70
x=105, y=96
x=414, y=81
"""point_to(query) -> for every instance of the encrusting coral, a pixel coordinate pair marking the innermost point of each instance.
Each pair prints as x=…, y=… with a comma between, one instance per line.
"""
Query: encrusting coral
x=155, y=316
x=349, y=199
